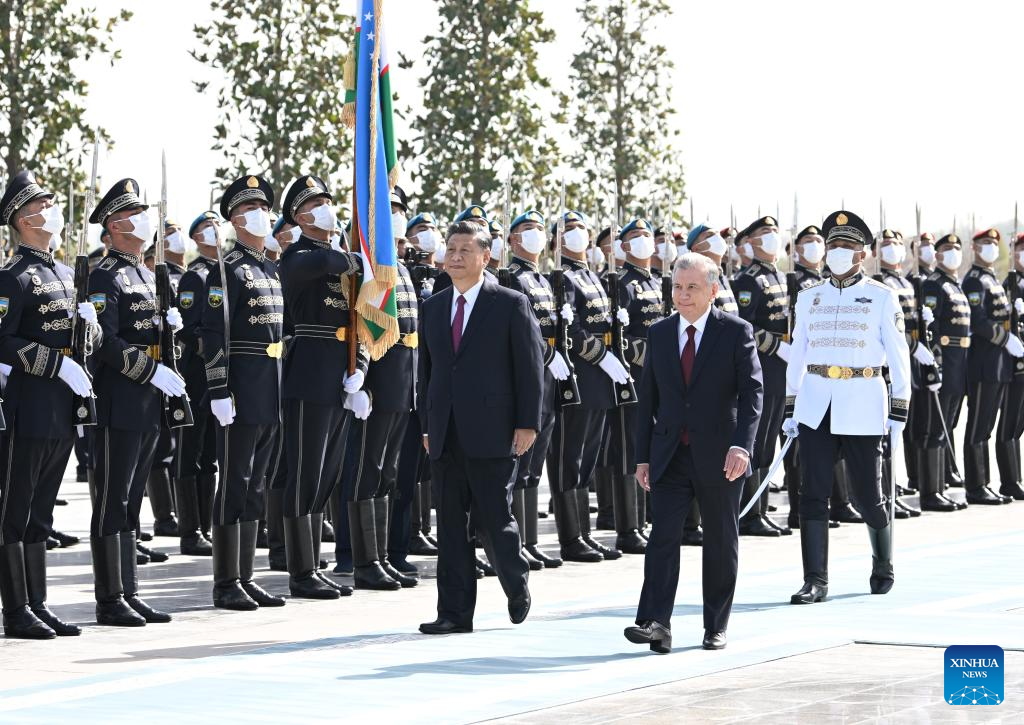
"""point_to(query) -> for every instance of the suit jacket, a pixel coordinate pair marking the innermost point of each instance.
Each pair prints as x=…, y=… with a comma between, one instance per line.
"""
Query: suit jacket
x=719, y=409
x=494, y=383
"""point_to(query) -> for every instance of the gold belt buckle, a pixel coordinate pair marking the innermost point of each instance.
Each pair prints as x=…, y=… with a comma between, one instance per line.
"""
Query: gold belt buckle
x=411, y=339
x=847, y=373
x=341, y=333
x=868, y=372
x=965, y=342
x=274, y=350
x=834, y=372
x=944, y=340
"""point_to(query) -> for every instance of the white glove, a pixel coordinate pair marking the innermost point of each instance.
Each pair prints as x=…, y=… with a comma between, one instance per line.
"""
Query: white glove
x=359, y=403
x=895, y=429
x=927, y=315
x=354, y=382
x=1014, y=346
x=923, y=355
x=167, y=381
x=567, y=314
x=783, y=351
x=935, y=387
x=5, y=371
x=558, y=367
x=76, y=378
x=623, y=316
x=1018, y=305
x=790, y=427
x=223, y=410
x=613, y=368
x=173, y=318
x=86, y=311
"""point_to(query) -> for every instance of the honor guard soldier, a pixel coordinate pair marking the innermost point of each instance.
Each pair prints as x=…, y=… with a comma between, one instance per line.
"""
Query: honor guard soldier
x=707, y=242
x=477, y=215
x=837, y=401
x=526, y=241
x=1011, y=417
x=130, y=382
x=951, y=336
x=576, y=438
x=318, y=393
x=195, y=472
x=990, y=364
x=763, y=302
x=37, y=301
x=242, y=323
x=640, y=296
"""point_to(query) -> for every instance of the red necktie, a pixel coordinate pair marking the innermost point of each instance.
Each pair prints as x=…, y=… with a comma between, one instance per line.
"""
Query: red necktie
x=457, y=323
x=689, y=352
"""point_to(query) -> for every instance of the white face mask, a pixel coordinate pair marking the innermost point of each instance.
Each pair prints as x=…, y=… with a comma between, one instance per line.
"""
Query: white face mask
x=398, y=224
x=209, y=236
x=257, y=222
x=867, y=253
x=771, y=243
x=951, y=259
x=641, y=247
x=428, y=240
x=323, y=217
x=839, y=260
x=533, y=240
x=270, y=243
x=748, y=251
x=296, y=233
x=576, y=240
x=496, y=246
x=620, y=256
x=988, y=253
x=177, y=244
x=813, y=252
x=54, y=243
x=718, y=245
x=53, y=219
x=928, y=254
x=667, y=252
x=141, y=228
x=596, y=257
x=336, y=242
x=894, y=254
x=440, y=252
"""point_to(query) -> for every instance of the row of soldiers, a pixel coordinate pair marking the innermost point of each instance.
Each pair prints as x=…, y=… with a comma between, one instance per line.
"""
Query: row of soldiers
x=292, y=419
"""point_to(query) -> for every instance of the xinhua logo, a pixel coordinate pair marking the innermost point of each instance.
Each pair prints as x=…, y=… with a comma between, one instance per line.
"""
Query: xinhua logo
x=974, y=674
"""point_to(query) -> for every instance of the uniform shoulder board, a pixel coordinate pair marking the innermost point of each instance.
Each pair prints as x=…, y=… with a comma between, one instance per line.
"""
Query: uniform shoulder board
x=12, y=262
x=876, y=283
x=933, y=277
x=107, y=263
x=973, y=272
x=812, y=285
x=233, y=257
x=749, y=271
x=514, y=267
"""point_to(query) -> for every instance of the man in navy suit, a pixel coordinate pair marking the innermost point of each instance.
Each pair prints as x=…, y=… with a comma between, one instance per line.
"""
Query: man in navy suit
x=481, y=379
x=700, y=401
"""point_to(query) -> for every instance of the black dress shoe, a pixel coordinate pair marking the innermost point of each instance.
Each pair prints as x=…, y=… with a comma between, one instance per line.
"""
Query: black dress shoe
x=117, y=613
x=344, y=590
x=535, y=564
x=983, y=496
x=578, y=551
x=51, y=620
x=406, y=580
x=430, y=540
x=631, y=543
x=196, y=545
x=232, y=596
x=519, y=607
x=443, y=626
x=714, y=640
x=934, y=502
x=783, y=530
x=61, y=501
x=24, y=624
x=809, y=594
x=261, y=596
x=911, y=510
x=549, y=562
x=846, y=514
x=403, y=566
x=65, y=540
x=52, y=543
x=693, y=537
x=607, y=553
x=166, y=527
x=310, y=587
x=957, y=504
x=658, y=636
x=901, y=513
x=152, y=616
x=419, y=545
x=757, y=526
x=485, y=566
x=157, y=557
x=1013, y=490
x=146, y=536
x=833, y=524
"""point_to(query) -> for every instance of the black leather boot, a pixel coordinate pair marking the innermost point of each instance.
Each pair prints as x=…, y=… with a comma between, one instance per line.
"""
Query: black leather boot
x=1009, y=465
x=158, y=488
x=530, y=530
x=248, y=533
x=583, y=508
x=929, y=477
x=519, y=514
x=193, y=543
x=302, y=579
x=19, y=621
x=567, y=522
x=35, y=579
x=765, y=508
x=382, y=520
x=627, y=522
x=814, y=552
x=881, y=559
x=978, y=493
x=793, y=492
x=317, y=527
x=111, y=608
x=604, y=487
x=368, y=573
x=65, y=540
x=752, y=523
x=130, y=582
x=227, y=589
x=276, y=557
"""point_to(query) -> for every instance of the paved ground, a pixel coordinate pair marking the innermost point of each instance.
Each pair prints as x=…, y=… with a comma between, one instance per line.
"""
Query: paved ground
x=960, y=580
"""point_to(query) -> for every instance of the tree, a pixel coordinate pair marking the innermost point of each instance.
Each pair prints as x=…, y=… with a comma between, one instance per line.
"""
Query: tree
x=42, y=101
x=621, y=121
x=483, y=95
x=283, y=89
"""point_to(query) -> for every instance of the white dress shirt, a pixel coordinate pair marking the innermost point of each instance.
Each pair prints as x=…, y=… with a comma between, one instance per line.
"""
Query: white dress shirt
x=699, y=324
x=471, y=294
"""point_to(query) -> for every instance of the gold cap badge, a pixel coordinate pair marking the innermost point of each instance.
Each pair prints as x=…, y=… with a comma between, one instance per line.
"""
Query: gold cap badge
x=769, y=221
x=309, y=182
x=128, y=187
x=252, y=183
x=842, y=219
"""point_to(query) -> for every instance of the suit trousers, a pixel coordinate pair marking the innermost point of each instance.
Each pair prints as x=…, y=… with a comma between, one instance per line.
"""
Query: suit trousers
x=574, y=448
x=123, y=460
x=315, y=440
x=31, y=476
x=481, y=488
x=379, y=441
x=245, y=455
x=671, y=498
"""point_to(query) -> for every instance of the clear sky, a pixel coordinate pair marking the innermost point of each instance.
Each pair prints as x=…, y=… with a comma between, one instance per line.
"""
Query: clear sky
x=902, y=100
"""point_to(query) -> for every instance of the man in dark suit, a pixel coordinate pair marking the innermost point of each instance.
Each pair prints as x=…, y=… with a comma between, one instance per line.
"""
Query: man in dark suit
x=479, y=398
x=700, y=402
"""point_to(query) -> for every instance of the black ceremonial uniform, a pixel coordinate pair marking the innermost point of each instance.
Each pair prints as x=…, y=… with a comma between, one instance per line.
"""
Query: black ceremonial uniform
x=951, y=336
x=763, y=302
x=989, y=371
x=576, y=437
x=725, y=300
x=1011, y=417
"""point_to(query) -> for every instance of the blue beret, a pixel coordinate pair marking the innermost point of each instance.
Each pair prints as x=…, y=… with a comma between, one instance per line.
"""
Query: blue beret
x=424, y=218
x=200, y=219
x=495, y=226
x=281, y=221
x=569, y=216
x=530, y=215
x=472, y=212
x=691, y=238
x=641, y=224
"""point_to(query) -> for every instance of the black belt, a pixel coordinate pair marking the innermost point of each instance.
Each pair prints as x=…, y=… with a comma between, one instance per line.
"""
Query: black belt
x=841, y=372
x=256, y=347
x=324, y=332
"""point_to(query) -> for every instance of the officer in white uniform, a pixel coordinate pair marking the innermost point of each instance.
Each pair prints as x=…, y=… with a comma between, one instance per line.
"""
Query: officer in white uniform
x=847, y=328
